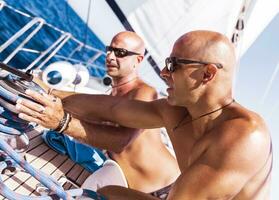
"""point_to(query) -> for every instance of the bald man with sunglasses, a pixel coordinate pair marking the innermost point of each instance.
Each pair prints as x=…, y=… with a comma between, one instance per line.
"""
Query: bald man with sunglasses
x=223, y=150
x=147, y=164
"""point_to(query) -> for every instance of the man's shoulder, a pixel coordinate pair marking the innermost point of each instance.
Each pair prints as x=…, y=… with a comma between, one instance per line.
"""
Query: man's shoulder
x=143, y=92
x=143, y=87
x=243, y=134
x=244, y=123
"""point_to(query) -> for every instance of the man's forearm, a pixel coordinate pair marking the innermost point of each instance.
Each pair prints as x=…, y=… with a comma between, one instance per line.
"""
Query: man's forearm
x=90, y=107
x=120, y=110
x=102, y=136
x=61, y=94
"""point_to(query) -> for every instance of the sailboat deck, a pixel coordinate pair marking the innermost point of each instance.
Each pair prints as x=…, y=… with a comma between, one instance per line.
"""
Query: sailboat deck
x=40, y=156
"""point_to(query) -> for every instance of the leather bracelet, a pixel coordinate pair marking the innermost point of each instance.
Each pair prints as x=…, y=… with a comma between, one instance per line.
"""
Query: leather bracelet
x=68, y=119
x=63, y=123
x=49, y=91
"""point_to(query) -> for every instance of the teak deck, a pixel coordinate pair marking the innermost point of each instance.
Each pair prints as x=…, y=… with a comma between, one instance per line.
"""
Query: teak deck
x=40, y=156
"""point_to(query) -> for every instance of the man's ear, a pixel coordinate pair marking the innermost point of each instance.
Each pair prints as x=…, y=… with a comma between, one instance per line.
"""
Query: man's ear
x=209, y=72
x=139, y=58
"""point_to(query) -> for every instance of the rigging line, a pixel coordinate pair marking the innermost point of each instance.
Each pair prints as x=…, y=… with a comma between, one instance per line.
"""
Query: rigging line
x=85, y=38
x=239, y=44
x=66, y=6
x=86, y=25
x=268, y=88
x=67, y=12
x=18, y=11
x=272, y=112
x=238, y=60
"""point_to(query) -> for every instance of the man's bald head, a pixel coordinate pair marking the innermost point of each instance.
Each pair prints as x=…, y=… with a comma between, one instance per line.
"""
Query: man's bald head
x=125, y=66
x=202, y=81
x=131, y=40
x=206, y=46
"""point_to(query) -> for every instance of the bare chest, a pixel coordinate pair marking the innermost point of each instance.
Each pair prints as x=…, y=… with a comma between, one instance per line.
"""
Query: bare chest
x=188, y=149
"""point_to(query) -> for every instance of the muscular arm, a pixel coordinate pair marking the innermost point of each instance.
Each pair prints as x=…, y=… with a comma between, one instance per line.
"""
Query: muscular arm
x=88, y=107
x=113, y=138
x=129, y=113
x=104, y=136
x=226, y=166
x=61, y=94
x=108, y=137
x=81, y=127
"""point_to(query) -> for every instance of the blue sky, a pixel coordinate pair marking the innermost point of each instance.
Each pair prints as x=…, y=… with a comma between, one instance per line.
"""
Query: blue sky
x=257, y=67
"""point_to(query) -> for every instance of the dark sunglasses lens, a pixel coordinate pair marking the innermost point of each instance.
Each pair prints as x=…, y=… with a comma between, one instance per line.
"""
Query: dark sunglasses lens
x=120, y=53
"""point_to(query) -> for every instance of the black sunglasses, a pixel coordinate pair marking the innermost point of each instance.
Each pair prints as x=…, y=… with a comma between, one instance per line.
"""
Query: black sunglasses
x=120, y=52
x=171, y=63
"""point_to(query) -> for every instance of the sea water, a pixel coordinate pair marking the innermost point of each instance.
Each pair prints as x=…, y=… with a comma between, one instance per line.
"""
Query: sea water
x=59, y=14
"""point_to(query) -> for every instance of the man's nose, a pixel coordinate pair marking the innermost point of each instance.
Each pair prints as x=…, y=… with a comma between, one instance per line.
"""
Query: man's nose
x=165, y=73
x=110, y=56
